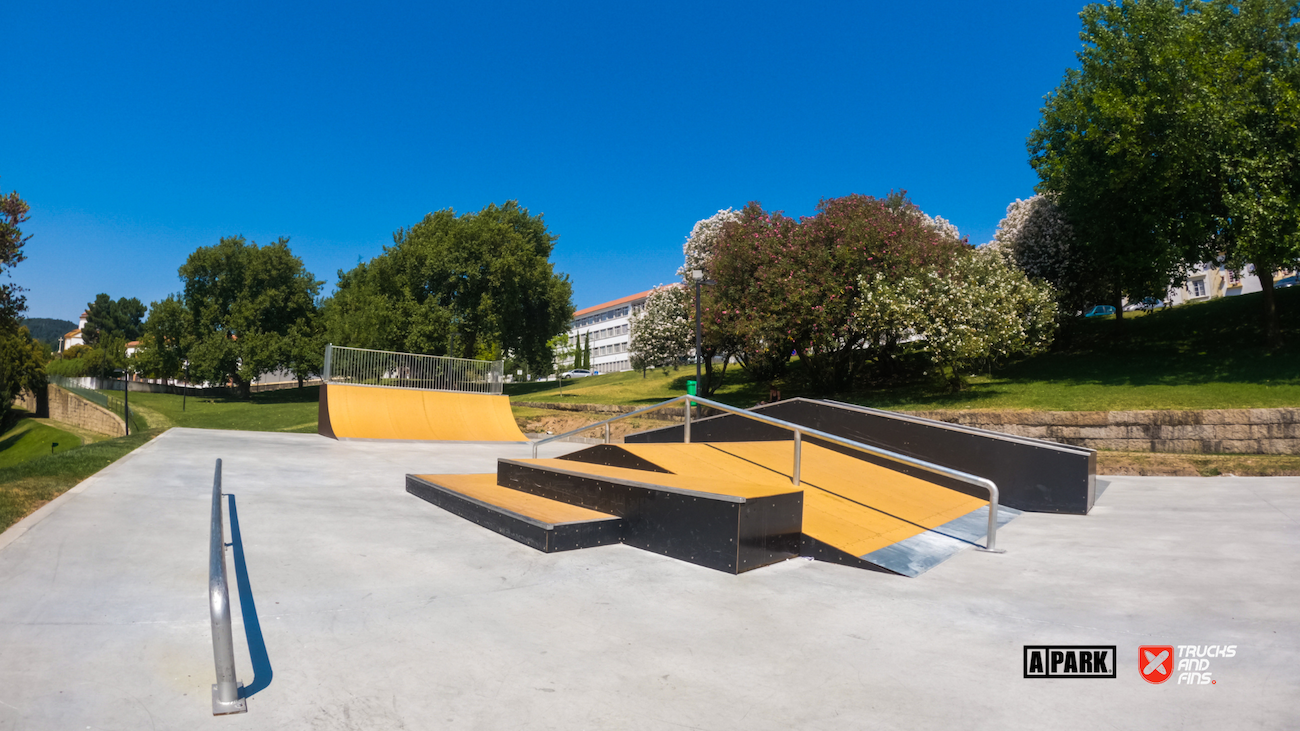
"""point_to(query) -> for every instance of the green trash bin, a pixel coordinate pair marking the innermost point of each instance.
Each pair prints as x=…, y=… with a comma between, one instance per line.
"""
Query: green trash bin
x=690, y=388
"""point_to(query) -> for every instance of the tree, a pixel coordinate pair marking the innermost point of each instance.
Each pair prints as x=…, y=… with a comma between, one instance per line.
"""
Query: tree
x=1256, y=138
x=21, y=358
x=481, y=280
x=660, y=335
x=1038, y=238
x=166, y=338
x=105, y=316
x=586, y=352
x=786, y=285
x=1174, y=142
x=243, y=302
x=13, y=213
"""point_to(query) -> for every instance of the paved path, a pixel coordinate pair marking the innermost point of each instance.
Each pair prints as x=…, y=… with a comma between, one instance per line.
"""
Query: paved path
x=373, y=610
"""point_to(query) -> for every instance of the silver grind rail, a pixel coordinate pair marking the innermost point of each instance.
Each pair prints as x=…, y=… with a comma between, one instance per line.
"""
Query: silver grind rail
x=385, y=368
x=800, y=432
x=226, y=691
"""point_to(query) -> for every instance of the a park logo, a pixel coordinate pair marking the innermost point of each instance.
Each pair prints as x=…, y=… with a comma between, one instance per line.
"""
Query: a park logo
x=1156, y=662
x=1069, y=661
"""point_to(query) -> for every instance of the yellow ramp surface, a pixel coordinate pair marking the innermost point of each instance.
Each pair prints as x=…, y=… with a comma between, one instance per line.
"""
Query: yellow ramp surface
x=376, y=412
x=849, y=504
x=484, y=488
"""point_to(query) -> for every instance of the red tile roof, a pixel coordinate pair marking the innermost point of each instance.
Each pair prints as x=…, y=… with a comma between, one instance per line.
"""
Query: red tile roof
x=612, y=303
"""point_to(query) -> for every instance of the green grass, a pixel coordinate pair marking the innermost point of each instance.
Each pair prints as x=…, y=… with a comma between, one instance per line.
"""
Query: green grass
x=31, y=438
x=1202, y=356
x=288, y=410
x=26, y=486
x=629, y=387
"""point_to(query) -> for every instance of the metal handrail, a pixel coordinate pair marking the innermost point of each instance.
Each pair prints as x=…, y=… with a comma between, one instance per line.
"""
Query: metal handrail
x=226, y=691
x=801, y=431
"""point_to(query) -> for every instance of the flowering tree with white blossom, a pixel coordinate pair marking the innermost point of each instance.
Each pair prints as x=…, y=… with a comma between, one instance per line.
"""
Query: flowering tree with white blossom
x=661, y=333
x=978, y=307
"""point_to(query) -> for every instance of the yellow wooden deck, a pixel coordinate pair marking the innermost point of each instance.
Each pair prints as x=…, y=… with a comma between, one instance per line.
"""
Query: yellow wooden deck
x=850, y=504
x=484, y=488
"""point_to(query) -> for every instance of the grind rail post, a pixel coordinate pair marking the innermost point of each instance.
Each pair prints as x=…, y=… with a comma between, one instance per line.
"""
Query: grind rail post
x=799, y=433
x=226, y=691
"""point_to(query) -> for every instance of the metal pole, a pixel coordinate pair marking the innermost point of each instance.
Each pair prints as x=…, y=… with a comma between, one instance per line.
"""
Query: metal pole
x=126, y=400
x=697, y=338
x=798, y=456
x=688, y=423
x=225, y=692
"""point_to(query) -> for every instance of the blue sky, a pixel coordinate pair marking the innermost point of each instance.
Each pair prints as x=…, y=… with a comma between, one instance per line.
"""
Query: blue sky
x=139, y=132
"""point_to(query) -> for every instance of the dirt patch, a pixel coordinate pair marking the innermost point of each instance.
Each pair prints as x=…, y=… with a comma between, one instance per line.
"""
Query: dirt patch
x=1192, y=465
x=548, y=421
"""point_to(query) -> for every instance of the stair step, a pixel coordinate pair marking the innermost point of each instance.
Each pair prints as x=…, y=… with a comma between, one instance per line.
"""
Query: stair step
x=545, y=524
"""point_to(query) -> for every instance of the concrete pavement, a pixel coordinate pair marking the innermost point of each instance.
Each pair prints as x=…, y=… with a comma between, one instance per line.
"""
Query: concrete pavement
x=366, y=608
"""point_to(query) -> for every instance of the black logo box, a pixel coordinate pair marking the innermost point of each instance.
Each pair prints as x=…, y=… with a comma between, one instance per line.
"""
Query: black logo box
x=1052, y=661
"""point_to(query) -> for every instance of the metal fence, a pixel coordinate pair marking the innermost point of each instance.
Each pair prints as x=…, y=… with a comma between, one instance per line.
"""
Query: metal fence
x=361, y=367
x=112, y=402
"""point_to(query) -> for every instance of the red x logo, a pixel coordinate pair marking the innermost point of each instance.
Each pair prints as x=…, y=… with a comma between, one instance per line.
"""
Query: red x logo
x=1156, y=662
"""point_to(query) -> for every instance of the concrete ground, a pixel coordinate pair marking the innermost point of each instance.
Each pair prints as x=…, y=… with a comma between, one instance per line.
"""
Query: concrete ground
x=366, y=608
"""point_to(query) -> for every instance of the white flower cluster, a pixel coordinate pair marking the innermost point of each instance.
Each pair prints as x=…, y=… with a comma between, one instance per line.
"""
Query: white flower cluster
x=940, y=224
x=699, y=246
x=1037, y=236
x=662, y=332
x=982, y=307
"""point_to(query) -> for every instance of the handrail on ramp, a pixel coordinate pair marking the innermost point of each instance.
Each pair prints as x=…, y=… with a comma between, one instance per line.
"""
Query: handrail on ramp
x=801, y=431
x=226, y=691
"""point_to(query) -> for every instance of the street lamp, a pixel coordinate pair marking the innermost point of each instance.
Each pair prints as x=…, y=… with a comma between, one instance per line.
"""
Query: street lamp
x=698, y=276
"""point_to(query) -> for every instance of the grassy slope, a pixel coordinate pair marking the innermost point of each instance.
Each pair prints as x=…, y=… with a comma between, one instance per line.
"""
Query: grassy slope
x=29, y=485
x=32, y=438
x=1204, y=356
x=290, y=410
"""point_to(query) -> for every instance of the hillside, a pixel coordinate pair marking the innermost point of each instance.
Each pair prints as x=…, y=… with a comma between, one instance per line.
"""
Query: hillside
x=48, y=330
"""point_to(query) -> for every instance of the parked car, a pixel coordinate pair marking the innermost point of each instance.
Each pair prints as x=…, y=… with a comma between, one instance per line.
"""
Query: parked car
x=1100, y=311
x=1285, y=282
x=577, y=373
x=1148, y=304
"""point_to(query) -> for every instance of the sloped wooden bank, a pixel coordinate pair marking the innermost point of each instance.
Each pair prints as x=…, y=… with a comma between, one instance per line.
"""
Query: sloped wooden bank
x=1224, y=431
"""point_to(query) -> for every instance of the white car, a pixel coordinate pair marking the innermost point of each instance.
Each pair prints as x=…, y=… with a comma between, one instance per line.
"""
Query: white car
x=577, y=373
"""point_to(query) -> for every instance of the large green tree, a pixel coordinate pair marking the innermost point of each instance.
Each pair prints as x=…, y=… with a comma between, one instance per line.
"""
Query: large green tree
x=21, y=358
x=1175, y=142
x=467, y=286
x=166, y=336
x=105, y=316
x=246, y=305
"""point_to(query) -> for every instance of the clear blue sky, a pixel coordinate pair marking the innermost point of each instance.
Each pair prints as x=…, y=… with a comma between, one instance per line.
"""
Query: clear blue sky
x=139, y=132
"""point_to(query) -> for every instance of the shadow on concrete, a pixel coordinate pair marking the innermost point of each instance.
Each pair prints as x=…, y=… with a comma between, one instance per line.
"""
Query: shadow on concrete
x=262, y=672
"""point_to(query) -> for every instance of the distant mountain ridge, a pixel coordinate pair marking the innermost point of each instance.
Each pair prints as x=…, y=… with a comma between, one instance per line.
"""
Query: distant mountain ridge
x=48, y=330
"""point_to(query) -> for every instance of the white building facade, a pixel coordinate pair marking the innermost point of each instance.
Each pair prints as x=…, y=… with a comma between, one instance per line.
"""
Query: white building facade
x=1211, y=281
x=609, y=327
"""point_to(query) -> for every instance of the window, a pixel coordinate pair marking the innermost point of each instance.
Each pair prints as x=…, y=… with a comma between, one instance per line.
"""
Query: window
x=1198, y=287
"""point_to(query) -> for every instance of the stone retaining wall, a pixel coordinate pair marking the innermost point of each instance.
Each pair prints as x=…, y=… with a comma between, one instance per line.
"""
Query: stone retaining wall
x=1231, y=431
x=72, y=409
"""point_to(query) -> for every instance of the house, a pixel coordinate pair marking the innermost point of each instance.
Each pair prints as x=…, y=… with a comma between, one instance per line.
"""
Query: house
x=608, y=324
x=74, y=338
x=1211, y=281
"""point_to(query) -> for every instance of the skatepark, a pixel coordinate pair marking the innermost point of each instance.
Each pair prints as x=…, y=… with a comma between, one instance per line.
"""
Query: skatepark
x=430, y=582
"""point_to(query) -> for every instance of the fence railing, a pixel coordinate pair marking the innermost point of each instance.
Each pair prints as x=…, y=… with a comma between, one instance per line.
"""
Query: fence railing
x=800, y=432
x=225, y=692
x=362, y=367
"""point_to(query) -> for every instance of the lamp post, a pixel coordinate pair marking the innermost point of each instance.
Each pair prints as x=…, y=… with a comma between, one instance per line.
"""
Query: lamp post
x=698, y=276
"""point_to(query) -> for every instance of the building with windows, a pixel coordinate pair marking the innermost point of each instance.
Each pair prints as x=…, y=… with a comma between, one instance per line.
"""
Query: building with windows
x=1210, y=281
x=609, y=327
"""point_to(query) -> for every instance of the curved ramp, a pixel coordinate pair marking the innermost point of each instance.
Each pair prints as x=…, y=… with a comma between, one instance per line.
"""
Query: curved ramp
x=408, y=414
